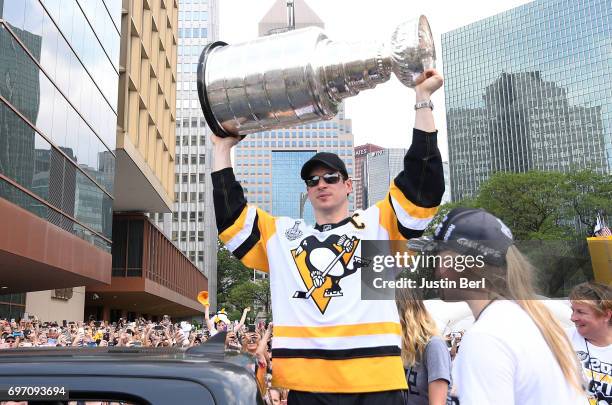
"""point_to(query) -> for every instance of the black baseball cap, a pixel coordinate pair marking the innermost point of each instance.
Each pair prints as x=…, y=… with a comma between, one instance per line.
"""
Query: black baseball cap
x=469, y=231
x=327, y=159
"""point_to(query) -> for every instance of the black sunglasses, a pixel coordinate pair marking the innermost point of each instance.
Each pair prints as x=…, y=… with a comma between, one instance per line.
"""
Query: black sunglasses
x=329, y=178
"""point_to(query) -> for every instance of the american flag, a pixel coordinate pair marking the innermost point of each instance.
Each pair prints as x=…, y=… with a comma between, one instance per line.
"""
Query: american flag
x=601, y=229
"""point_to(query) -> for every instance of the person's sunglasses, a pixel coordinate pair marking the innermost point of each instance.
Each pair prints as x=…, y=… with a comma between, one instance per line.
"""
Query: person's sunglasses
x=329, y=178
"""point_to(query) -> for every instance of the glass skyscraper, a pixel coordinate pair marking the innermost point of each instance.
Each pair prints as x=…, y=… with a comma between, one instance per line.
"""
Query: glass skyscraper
x=529, y=89
x=59, y=70
x=288, y=186
x=59, y=65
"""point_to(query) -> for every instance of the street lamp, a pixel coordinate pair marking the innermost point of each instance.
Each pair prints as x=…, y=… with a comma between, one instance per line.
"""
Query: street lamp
x=303, y=198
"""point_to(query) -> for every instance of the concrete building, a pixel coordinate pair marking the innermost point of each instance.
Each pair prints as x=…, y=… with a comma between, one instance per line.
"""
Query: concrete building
x=380, y=168
x=529, y=89
x=191, y=226
x=361, y=152
x=150, y=276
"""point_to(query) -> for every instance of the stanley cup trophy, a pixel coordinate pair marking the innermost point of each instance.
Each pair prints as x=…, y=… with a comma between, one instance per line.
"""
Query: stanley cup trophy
x=301, y=76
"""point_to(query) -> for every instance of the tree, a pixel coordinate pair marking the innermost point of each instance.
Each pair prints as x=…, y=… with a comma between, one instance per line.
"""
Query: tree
x=251, y=293
x=230, y=272
x=531, y=204
x=589, y=193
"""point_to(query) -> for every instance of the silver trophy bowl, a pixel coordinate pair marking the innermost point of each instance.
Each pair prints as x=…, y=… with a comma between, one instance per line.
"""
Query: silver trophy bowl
x=301, y=76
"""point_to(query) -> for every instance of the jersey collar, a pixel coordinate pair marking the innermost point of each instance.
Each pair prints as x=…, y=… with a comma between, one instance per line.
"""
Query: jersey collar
x=329, y=227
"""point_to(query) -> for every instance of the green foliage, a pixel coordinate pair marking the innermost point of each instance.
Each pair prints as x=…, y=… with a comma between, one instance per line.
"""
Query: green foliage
x=230, y=272
x=251, y=294
x=235, y=288
x=557, y=209
x=531, y=204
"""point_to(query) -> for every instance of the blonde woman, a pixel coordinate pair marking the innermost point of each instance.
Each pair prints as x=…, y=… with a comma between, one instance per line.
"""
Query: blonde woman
x=515, y=353
x=592, y=338
x=424, y=353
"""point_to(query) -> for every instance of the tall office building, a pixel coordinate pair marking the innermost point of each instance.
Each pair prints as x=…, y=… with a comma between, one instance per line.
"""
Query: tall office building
x=529, y=89
x=380, y=168
x=359, y=179
x=150, y=276
x=268, y=163
x=87, y=91
x=59, y=65
x=191, y=226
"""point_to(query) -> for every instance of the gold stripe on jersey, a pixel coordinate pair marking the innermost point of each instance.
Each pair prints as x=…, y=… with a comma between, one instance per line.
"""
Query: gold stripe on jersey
x=388, y=220
x=264, y=227
x=369, y=374
x=375, y=328
x=236, y=227
x=411, y=209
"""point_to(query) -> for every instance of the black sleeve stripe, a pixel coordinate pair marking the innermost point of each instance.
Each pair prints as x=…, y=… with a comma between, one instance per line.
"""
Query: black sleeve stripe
x=251, y=241
x=422, y=180
x=340, y=354
x=407, y=233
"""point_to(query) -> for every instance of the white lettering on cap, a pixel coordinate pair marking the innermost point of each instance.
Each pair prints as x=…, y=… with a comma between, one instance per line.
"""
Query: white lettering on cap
x=505, y=230
x=449, y=231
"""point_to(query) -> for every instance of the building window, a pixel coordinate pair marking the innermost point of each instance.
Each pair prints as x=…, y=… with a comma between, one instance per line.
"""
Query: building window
x=193, y=178
x=200, y=216
x=184, y=178
x=184, y=216
x=192, y=196
x=183, y=236
x=200, y=197
x=175, y=217
x=202, y=140
x=174, y=236
x=192, y=236
x=200, y=236
x=193, y=140
x=201, y=177
x=200, y=256
x=202, y=159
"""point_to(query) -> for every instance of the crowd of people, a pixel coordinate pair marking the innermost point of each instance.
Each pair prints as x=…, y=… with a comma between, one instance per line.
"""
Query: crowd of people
x=253, y=340
x=428, y=358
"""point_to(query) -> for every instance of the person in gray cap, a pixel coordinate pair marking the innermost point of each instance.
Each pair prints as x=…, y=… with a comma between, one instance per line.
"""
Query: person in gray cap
x=329, y=345
x=516, y=353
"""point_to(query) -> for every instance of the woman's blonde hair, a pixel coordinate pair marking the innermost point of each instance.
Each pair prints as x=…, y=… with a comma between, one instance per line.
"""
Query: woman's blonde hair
x=519, y=288
x=417, y=325
x=596, y=295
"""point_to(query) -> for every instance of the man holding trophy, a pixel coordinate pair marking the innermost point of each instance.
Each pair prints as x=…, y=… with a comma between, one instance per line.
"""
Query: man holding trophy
x=328, y=345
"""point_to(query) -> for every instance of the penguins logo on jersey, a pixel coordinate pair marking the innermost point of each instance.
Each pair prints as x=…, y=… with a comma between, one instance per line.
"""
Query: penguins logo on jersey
x=323, y=264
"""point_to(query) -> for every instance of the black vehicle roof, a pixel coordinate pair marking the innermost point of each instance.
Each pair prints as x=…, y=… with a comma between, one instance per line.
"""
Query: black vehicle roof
x=223, y=375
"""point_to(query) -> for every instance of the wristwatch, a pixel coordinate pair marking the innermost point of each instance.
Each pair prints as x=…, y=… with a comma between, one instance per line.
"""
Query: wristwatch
x=424, y=104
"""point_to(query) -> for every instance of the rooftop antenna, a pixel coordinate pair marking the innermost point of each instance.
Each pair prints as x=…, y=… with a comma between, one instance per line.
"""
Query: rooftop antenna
x=290, y=15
